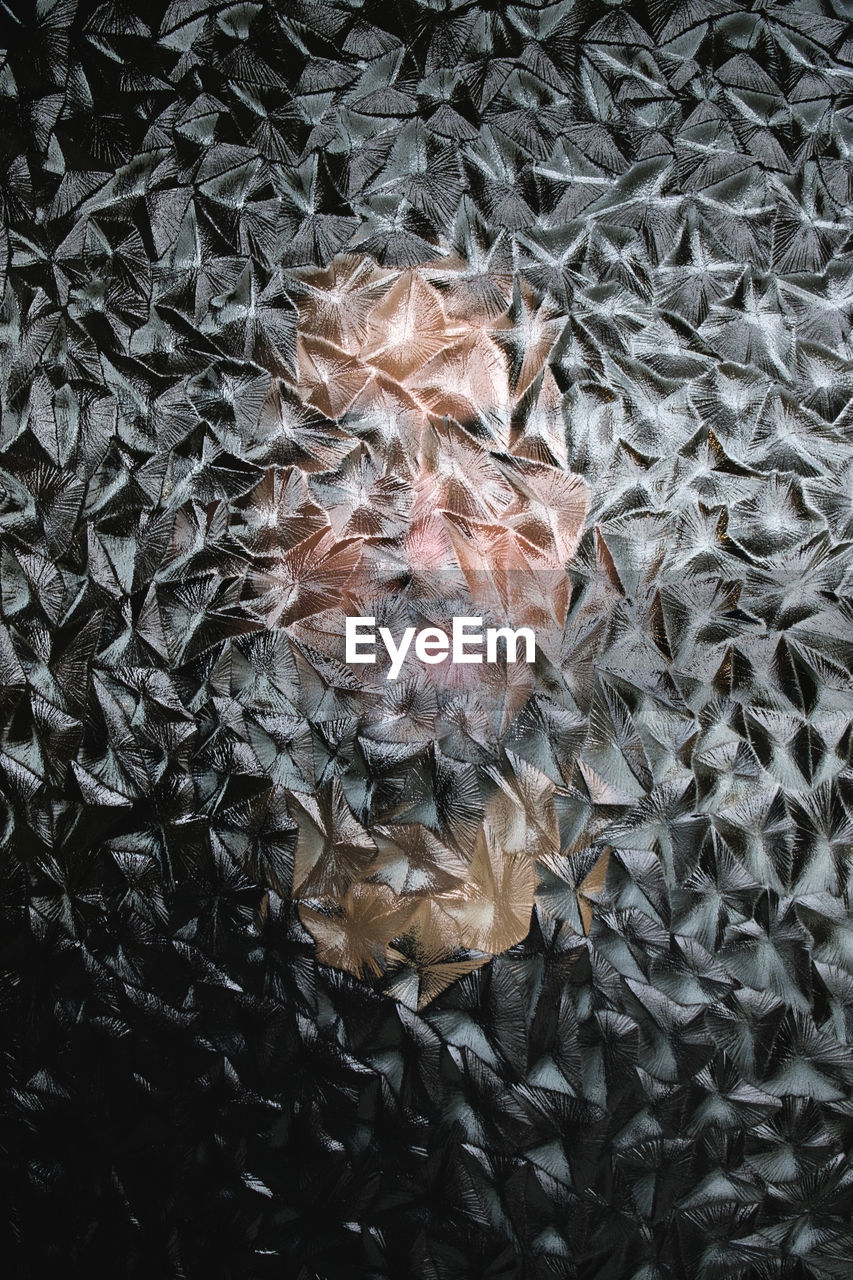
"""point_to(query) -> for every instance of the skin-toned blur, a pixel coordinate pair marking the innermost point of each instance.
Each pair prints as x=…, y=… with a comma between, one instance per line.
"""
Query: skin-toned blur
x=442, y=489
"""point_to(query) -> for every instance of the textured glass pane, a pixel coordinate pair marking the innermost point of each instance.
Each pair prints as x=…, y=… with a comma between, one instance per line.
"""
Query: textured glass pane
x=536, y=315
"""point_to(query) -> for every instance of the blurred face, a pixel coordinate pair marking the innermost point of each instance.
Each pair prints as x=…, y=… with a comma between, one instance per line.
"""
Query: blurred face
x=438, y=488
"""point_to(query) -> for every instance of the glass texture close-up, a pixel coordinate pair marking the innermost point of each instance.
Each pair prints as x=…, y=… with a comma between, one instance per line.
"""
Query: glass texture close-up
x=426, y=640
